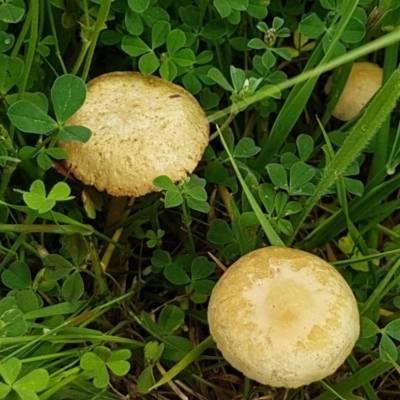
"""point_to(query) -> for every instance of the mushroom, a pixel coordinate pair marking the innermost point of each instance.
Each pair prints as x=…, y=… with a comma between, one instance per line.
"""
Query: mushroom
x=283, y=317
x=364, y=81
x=142, y=127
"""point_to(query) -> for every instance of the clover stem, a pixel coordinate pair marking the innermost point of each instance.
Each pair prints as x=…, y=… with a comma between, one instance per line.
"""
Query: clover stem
x=54, y=33
x=187, y=221
x=21, y=36
x=34, y=16
x=100, y=21
x=32, y=21
x=231, y=117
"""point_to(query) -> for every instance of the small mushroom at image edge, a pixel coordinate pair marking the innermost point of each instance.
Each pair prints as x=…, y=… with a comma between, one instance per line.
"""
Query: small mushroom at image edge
x=364, y=81
x=283, y=317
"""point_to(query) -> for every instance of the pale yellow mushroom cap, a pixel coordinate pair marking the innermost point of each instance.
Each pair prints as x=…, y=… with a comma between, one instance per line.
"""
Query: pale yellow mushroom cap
x=142, y=127
x=283, y=317
x=364, y=81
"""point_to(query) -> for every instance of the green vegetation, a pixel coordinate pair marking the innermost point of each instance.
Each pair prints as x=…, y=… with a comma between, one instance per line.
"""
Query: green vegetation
x=279, y=170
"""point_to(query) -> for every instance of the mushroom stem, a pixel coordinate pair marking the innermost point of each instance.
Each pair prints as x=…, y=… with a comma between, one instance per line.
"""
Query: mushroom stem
x=116, y=211
x=117, y=234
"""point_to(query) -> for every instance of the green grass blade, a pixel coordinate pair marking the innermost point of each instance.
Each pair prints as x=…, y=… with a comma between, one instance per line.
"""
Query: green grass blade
x=384, y=211
x=342, y=198
x=56, y=309
x=17, y=243
x=272, y=236
x=340, y=76
x=245, y=240
x=359, y=208
x=331, y=390
x=382, y=289
x=364, y=375
x=361, y=134
x=193, y=355
x=54, y=229
x=289, y=114
x=270, y=91
x=58, y=386
x=368, y=389
x=382, y=137
x=61, y=218
x=371, y=257
x=298, y=99
x=394, y=158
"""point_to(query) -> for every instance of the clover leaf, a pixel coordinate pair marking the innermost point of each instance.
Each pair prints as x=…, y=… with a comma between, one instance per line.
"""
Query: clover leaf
x=191, y=190
x=36, y=198
x=27, y=386
x=12, y=11
x=97, y=363
x=11, y=69
x=68, y=93
x=271, y=34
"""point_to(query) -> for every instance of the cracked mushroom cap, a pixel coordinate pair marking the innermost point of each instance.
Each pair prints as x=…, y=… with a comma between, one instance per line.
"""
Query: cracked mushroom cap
x=142, y=127
x=283, y=317
x=364, y=81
